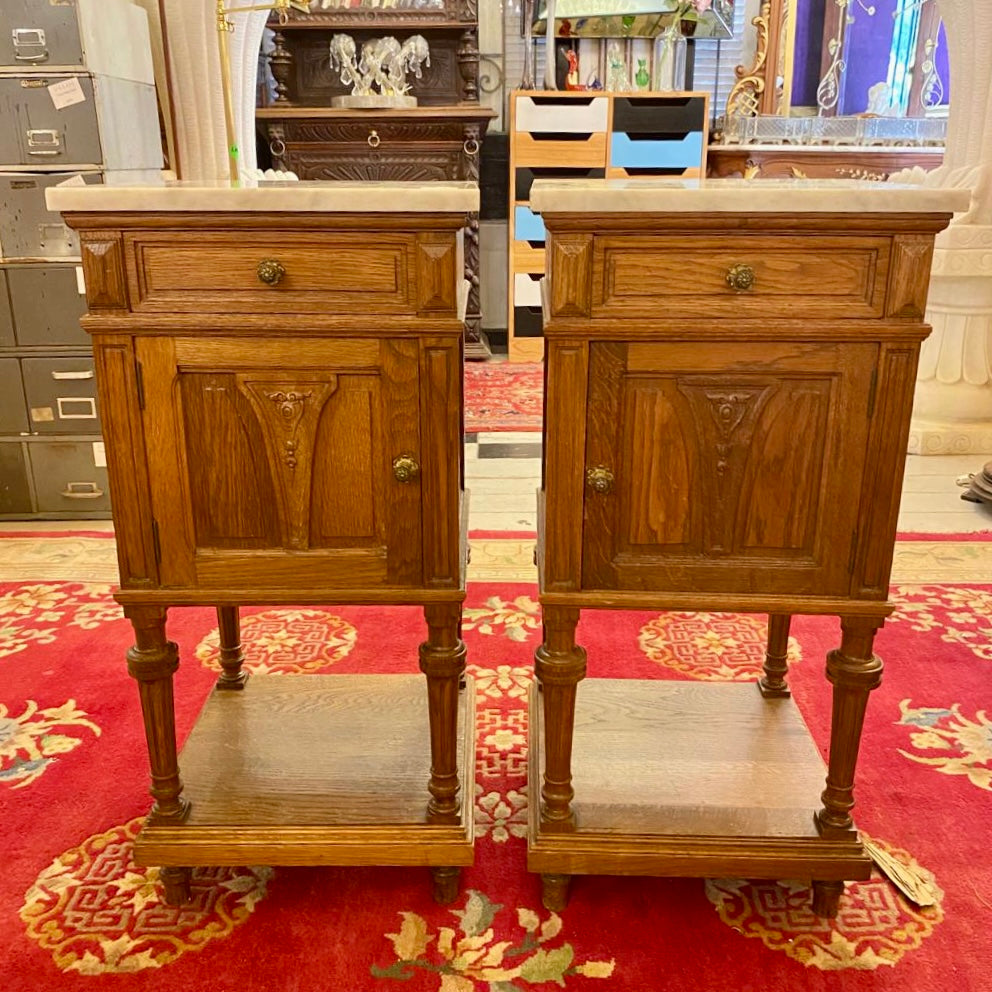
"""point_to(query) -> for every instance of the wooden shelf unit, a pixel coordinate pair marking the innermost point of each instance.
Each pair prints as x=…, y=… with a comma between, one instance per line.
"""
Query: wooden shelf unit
x=575, y=135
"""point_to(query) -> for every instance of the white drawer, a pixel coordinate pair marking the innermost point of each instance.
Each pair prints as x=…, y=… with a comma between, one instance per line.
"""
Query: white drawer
x=527, y=289
x=562, y=114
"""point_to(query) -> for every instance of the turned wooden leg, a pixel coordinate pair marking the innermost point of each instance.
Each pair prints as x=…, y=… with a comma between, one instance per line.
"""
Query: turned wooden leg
x=826, y=898
x=176, y=883
x=854, y=671
x=554, y=891
x=772, y=684
x=232, y=658
x=445, y=884
x=152, y=662
x=442, y=660
x=559, y=665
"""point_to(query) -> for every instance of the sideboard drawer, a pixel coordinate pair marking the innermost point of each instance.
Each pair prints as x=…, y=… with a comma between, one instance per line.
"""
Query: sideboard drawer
x=764, y=276
x=217, y=272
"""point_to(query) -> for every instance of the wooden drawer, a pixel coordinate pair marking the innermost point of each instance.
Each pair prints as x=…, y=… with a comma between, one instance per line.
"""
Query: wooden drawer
x=660, y=114
x=638, y=151
x=585, y=151
x=794, y=276
x=527, y=289
x=562, y=114
x=340, y=272
x=524, y=178
x=528, y=226
x=524, y=258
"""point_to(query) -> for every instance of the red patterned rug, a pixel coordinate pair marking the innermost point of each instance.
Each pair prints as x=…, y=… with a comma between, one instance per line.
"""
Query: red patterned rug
x=77, y=914
x=501, y=396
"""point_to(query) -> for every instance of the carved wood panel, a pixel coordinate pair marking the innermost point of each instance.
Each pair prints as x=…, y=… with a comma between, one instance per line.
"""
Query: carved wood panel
x=396, y=14
x=708, y=470
x=277, y=458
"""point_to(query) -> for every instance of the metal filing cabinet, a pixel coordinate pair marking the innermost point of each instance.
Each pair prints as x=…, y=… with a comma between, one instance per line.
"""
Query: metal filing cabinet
x=77, y=105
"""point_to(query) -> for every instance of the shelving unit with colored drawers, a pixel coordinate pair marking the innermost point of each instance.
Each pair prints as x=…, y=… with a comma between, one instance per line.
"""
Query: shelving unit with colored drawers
x=586, y=135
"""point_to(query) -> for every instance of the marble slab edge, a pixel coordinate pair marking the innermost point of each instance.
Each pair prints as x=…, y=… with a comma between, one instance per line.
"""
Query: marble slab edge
x=343, y=197
x=741, y=196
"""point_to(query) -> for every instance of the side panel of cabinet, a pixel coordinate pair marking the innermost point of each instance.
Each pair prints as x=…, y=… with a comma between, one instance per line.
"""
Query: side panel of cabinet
x=736, y=466
x=274, y=467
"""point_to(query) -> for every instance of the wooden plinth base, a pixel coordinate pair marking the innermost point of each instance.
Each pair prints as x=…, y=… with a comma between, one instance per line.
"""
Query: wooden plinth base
x=316, y=770
x=690, y=779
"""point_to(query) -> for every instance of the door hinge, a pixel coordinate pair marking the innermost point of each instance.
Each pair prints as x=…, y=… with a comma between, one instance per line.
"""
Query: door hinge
x=139, y=378
x=872, y=392
x=157, y=544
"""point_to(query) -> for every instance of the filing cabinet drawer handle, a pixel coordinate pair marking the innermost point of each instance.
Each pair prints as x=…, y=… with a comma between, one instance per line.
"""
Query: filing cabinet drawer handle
x=44, y=141
x=741, y=278
x=406, y=468
x=374, y=139
x=82, y=490
x=271, y=272
x=30, y=38
x=599, y=479
x=64, y=376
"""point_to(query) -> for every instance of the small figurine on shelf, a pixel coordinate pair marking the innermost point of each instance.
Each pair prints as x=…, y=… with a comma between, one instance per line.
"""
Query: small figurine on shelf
x=642, y=77
x=617, y=79
x=572, y=76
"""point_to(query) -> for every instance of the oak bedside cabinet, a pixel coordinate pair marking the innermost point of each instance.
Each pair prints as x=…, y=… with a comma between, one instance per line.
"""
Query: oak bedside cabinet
x=280, y=381
x=730, y=374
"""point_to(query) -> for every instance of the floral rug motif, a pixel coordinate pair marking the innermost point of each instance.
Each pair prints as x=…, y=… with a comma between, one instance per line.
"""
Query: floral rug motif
x=876, y=925
x=469, y=957
x=98, y=913
x=504, y=396
x=711, y=647
x=29, y=743
x=963, y=746
x=287, y=641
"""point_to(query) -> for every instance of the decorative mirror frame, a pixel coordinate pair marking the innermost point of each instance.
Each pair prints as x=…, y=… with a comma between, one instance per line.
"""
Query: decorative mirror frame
x=766, y=86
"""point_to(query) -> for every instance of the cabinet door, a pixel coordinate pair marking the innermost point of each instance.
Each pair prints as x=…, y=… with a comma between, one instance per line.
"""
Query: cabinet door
x=271, y=461
x=735, y=467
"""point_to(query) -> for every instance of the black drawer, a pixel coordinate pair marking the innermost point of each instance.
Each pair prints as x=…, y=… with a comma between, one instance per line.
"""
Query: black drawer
x=528, y=322
x=15, y=493
x=659, y=115
x=525, y=178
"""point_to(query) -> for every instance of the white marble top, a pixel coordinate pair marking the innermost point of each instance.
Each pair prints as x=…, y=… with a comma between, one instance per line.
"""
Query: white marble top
x=747, y=196
x=277, y=197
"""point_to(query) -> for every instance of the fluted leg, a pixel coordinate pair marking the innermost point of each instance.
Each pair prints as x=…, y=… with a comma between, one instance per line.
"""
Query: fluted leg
x=232, y=658
x=442, y=660
x=772, y=684
x=854, y=671
x=559, y=665
x=152, y=662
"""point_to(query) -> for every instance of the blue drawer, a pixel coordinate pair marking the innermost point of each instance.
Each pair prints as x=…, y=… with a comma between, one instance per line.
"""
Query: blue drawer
x=673, y=153
x=528, y=226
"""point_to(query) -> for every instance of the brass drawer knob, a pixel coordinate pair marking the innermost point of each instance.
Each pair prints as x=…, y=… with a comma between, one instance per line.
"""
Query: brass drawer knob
x=271, y=272
x=741, y=278
x=406, y=468
x=599, y=479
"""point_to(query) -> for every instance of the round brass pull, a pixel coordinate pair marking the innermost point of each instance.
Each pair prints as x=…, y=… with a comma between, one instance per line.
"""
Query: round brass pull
x=374, y=139
x=406, y=468
x=599, y=479
x=271, y=272
x=741, y=278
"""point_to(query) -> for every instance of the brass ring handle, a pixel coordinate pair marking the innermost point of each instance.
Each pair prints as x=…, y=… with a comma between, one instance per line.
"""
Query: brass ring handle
x=406, y=468
x=277, y=147
x=271, y=272
x=471, y=147
x=741, y=278
x=599, y=479
x=374, y=139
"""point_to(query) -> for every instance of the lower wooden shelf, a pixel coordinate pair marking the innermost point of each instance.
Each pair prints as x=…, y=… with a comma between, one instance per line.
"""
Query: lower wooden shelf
x=690, y=779
x=316, y=770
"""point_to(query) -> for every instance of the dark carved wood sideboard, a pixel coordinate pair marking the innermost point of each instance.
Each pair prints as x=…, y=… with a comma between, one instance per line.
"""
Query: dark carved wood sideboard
x=440, y=139
x=284, y=431
x=730, y=376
